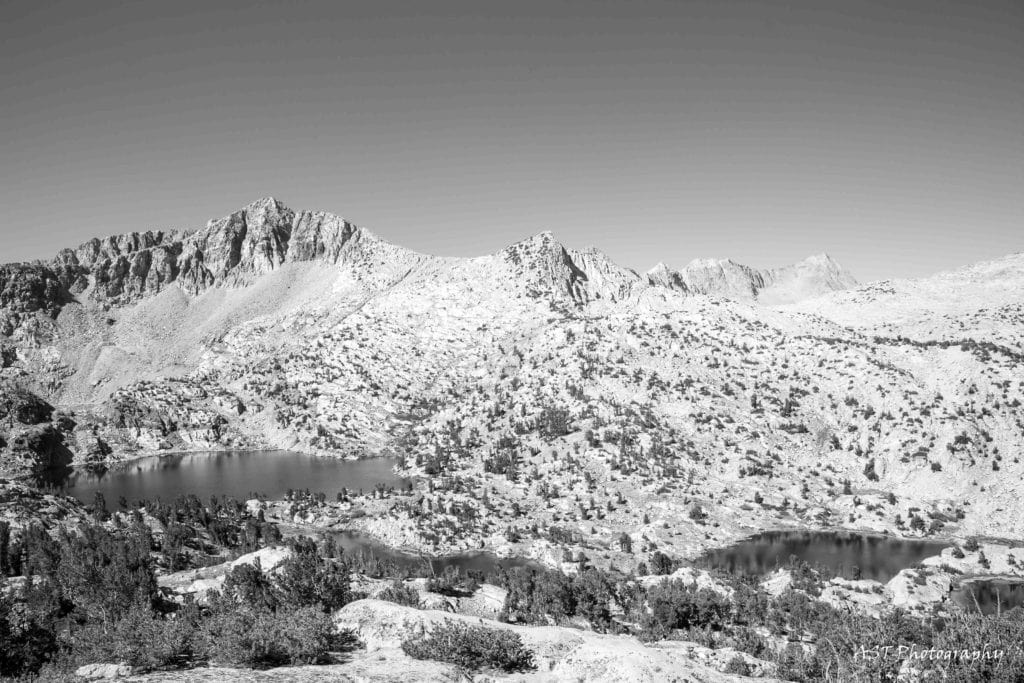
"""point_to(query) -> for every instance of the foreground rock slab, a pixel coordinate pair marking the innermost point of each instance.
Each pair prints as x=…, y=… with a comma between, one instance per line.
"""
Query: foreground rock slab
x=561, y=654
x=362, y=668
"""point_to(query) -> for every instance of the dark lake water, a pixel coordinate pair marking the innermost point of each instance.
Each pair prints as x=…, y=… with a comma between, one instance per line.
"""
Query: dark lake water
x=242, y=473
x=843, y=553
x=989, y=595
x=236, y=474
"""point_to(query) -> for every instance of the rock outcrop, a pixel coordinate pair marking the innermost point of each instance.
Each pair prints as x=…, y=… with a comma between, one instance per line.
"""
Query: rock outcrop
x=123, y=268
x=561, y=654
x=26, y=289
x=30, y=439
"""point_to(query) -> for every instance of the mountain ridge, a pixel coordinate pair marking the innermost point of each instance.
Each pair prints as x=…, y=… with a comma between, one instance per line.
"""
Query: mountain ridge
x=813, y=276
x=265, y=234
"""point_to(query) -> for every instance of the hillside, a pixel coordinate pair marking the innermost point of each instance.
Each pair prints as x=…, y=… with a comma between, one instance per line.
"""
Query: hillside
x=539, y=383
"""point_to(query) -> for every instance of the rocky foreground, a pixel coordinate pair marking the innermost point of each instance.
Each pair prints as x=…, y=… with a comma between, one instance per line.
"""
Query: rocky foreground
x=568, y=653
x=563, y=654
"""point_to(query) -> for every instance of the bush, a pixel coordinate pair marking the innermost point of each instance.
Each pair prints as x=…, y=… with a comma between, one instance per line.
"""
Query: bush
x=141, y=639
x=93, y=597
x=661, y=564
x=397, y=592
x=306, y=579
x=243, y=636
x=593, y=592
x=471, y=647
x=977, y=633
x=453, y=583
x=27, y=640
x=535, y=597
x=737, y=665
x=677, y=605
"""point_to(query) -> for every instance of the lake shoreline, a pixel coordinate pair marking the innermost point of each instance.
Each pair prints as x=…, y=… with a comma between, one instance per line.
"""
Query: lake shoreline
x=368, y=515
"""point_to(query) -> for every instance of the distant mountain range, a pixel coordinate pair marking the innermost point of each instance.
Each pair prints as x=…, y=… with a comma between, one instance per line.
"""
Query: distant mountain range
x=266, y=235
x=811, y=277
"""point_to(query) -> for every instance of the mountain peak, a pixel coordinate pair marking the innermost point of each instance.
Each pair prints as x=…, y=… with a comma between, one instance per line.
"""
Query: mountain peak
x=820, y=260
x=724, y=277
x=266, y=202
x=543, y=238
x=825, y=266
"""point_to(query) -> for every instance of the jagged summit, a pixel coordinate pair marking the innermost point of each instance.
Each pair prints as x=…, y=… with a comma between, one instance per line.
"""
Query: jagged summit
x=541, y=243
x=266, y=202
x=266, y=235
x=822, y=258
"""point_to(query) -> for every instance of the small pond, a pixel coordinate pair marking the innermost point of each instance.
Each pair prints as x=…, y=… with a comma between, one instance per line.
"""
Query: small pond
x=989, y=595
x=235, y=473
x=843, y=553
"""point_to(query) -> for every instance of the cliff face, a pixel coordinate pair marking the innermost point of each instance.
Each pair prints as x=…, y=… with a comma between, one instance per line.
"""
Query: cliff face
x=28, y=288
x=233, y=250
x=319, y=236
x=32, y=437
x=123, y=268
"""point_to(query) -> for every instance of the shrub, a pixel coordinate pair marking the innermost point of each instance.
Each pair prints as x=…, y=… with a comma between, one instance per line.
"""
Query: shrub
x=453, y=583
x=677, y=605
x=306, y=579
x=537, y=596
x=244, y=636
x=471, y=647
x=697, y=513
x=248, y=585
x=593, y=591
x=738, y=665
x=103, y=574
x=141, y=639
x=661, y=564
x=27, y=640
x=971, y=545
x=977, y=633
x=397, y=592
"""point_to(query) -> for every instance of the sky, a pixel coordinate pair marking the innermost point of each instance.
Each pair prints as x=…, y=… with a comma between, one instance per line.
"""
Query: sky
x=888, y=134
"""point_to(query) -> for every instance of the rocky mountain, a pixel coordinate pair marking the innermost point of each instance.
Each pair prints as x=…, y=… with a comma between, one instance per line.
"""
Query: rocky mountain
x=811, y=277
x=229, y=251
x=266, y=235
x=982, y=300
x=546, y=392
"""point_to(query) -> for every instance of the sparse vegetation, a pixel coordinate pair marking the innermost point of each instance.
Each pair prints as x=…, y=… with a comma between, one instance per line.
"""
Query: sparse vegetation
x=471, y=647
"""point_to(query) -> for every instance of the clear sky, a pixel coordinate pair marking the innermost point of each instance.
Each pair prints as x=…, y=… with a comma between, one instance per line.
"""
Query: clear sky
x=889, y=134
